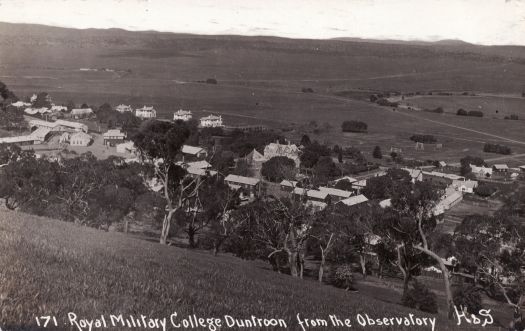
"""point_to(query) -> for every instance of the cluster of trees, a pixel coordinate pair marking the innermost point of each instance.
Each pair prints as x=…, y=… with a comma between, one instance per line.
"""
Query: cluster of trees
x=81, y=189
x=512, y=117
x=423, y=138
x=496, y=148
x=466, y=161
x=475, y=113
x=354, y=126
x=10, y=117
x=278, y=168
x=112, y=118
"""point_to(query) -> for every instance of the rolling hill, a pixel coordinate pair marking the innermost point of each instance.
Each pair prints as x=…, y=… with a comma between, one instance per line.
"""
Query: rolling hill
x=53, y=268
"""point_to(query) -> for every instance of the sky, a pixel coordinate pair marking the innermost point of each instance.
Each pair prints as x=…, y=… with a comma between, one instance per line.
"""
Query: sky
x=487, y=22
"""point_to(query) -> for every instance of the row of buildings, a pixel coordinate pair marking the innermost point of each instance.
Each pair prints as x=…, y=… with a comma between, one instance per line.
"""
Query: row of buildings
x=149, y=112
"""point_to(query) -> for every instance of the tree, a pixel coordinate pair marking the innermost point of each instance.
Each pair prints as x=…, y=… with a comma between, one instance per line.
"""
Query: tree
x=311, y=154
x=278, y=168
x=354, y=126
x=324, y=170
x=12, y=118
x=377, y=154
x=43, y=100
x=324, y=234
x=305, y=140
x=159, y=143
x=493, y=248
x=467, y=161
x=7, y=95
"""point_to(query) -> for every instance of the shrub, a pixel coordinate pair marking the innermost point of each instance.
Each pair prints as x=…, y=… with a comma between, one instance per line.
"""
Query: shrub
x=386, y=103
x=307, y=90
x=469, y=297
x=343, y=277
x=512, y=117
x=423, y=138
x=485, y=190
x=354, y=126
x=278, y=168
x=377, y=154
x=495, y=148
x=462, y=112
x=420, y=297
x=211, y=81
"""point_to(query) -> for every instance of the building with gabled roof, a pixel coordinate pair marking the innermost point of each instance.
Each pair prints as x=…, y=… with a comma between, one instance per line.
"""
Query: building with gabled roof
x=355, y=200
x=202, y=164
x=211, y=121
x=80, y=139
x=290, y=151
x=195, y=151
x=146, y=112
x=182, y=115
x=466, y=186
x=124, y=108
x=500, y=167
x=249, y=185
x=113, y=137
x=59, y=125
x=335, y=194
x=480, y=171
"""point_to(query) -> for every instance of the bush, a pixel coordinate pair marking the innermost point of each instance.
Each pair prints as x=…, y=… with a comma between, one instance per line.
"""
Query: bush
x=512, y=117
x=377, y=154
x=462, y=112
x=307, y=90
x=495, y=148
x=354, y=126
x=386, y=103
x=278, y=168
x=420, y=297
x=485, y=190
x=423, y=138
x=211, y=81
x=468, y=296
x=343, y=277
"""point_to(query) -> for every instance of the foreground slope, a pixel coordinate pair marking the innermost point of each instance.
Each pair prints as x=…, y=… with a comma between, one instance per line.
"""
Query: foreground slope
x=52, y=268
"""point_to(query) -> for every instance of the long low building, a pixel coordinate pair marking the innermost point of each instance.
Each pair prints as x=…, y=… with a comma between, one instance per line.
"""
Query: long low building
x=59, y=125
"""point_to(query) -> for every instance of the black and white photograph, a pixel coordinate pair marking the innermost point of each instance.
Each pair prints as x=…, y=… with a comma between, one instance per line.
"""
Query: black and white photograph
x=309, y=165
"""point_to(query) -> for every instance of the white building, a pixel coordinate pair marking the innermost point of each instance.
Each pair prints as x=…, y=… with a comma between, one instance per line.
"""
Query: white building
x=466, y=186
x=126, y=148
x=481, y=171
x=146, y=112
x=57, y=108
x=21, y=104
x=211, y=121
x=80, y=139
x=195, y=151
x=124, y=108
x=81, y=112
x=335, y=194
x=355, y=200
x=183, y=115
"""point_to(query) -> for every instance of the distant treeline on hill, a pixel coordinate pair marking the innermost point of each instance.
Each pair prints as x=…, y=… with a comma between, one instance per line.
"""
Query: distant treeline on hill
x=438, y=110
x=423, y=138
x=354, y=126
x=475, y=113
x=495, y=148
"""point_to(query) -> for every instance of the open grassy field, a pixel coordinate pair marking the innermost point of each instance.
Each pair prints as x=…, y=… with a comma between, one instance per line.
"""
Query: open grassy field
x=260, y=81
x=52, y=268
x=494, y=107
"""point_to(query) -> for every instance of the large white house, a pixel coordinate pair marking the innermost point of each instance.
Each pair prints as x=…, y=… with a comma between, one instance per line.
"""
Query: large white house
x=146, y=112
x=211, y=121
x=183, y=115
x=123, y=108
x=291, y=151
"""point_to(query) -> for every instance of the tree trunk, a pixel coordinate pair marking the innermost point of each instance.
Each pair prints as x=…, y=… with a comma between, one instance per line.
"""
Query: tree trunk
x=191, y=237
x=406, y=281
x=362, y=262
x=321, y=268
x=446, y=279
x=215, y=249
x=292, y=261
x=166, y=223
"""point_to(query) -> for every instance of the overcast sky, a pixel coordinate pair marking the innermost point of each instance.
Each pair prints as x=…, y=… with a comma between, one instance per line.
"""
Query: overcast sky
x=488, y=22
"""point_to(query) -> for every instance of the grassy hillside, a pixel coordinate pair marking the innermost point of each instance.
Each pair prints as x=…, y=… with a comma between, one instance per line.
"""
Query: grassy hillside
x=52, y=268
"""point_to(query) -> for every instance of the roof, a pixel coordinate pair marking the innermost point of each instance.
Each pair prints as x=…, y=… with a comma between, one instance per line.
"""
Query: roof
x=290, y=183
x=385, y=203
x=442, y=163
x=500, y=166
x=414, y=173
x=193, y=150
x=335, y=192
x=81, y=111
x=310, y=193
x=359, y=183
x=241, y=179
x=467, y=183
x=182, y=112
x=348, y=178
x=146, y=108
x=114, y=133
x=199, y=164
x=200, y=172
x=40, y=133
x=443, y=175
x=211, y=118
x=18, y=139
x=80, y=135
x=355, y=200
